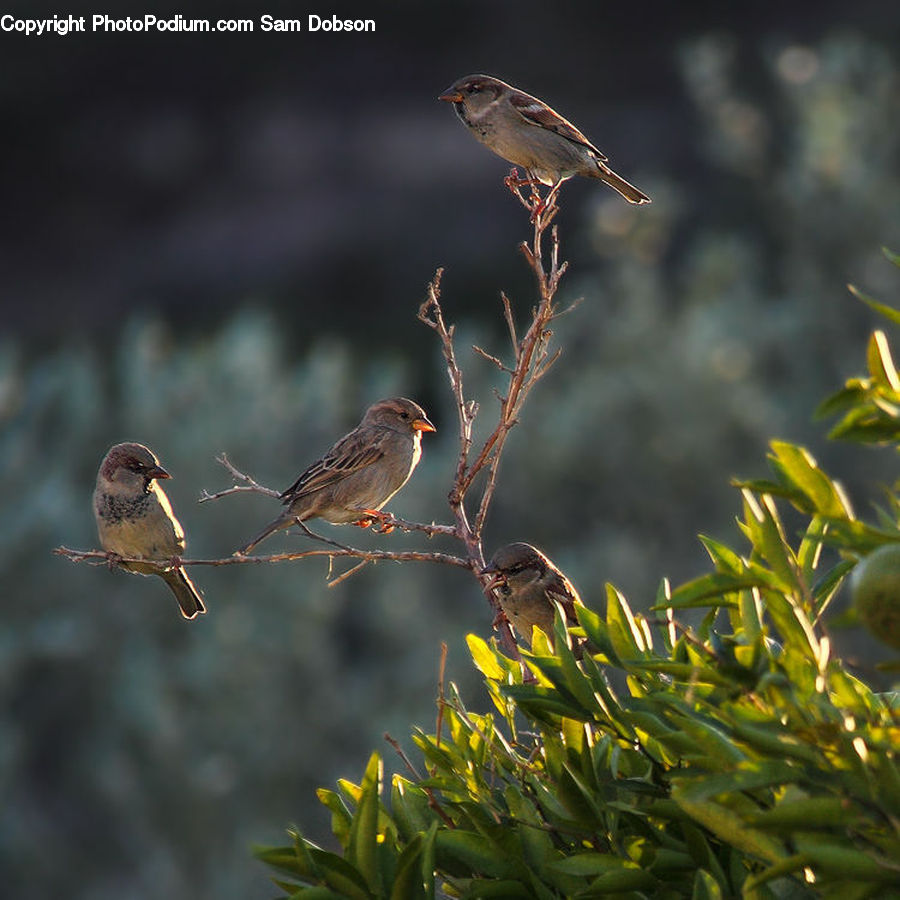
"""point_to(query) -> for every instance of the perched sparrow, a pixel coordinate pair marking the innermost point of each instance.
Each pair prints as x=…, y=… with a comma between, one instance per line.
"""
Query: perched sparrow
x=526, y=583
x=526, y=132
x=360, y=473
x=135, y=519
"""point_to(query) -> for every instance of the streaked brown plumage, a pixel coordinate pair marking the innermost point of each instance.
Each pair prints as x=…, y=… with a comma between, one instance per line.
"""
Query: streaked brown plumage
x=360, y=473
x=526, y=583
x=135, y=519
x=526, y=132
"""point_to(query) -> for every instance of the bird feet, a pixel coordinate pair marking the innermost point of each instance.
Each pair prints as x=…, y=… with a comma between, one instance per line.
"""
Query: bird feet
x=514, y=181
x=378, y=521
x=534, y=203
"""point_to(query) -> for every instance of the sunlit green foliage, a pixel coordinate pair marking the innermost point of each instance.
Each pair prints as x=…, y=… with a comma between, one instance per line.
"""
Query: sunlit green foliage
x=738, y=757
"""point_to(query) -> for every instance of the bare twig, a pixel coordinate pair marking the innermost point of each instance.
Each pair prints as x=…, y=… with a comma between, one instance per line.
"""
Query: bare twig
x=101, y=557
x=492, y=359
x=510, y=321
x=431, y=529
x=334, y=582
x=249, y=486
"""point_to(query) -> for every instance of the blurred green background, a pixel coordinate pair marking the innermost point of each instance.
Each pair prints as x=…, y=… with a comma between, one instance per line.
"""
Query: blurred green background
x=220, y=242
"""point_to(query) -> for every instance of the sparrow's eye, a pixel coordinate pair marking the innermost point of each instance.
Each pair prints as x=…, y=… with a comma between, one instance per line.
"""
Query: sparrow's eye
x=404, y=414
x=473, y=88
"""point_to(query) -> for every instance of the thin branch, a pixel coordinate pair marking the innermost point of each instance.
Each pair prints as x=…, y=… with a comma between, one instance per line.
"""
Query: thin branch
x=431, y=529
x=432, y=315
x=492, y=359
x=101, y=557
x=334, y=582
x=510, y=321
x=250, y=486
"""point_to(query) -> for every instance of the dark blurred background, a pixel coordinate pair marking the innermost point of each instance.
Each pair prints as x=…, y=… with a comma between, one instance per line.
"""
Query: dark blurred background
x=219, y=242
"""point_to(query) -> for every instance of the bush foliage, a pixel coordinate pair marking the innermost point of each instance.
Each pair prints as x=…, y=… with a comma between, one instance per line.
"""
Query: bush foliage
x=733, y=757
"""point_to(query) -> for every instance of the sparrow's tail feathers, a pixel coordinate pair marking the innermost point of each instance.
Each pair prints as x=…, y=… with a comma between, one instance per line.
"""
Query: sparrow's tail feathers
x=271, y=528
x=618, y=183
x=186, y=594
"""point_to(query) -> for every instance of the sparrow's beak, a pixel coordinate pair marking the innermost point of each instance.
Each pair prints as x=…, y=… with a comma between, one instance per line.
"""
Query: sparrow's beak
x=498, y=579
x=451, y=96
x=157, y=472
x=423, y=425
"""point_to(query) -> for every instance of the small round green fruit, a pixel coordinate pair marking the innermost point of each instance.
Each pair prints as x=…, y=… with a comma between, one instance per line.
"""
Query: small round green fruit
x=875, y=588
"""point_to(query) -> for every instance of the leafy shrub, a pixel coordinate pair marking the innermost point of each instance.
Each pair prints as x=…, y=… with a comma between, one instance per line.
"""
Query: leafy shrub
x=736, y=757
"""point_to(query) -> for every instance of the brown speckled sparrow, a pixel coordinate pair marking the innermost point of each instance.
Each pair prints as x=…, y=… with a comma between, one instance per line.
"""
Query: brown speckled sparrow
x=360, y=473
x=526, y=583
x=528, y=133
x=135, y=519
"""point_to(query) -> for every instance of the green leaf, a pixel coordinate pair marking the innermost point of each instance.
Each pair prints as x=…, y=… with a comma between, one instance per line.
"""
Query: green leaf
x=767, y=537
x=340, y=817
x=809, y=812
x=839, y=859
x=410, y=807
x=287, y=860
x=715, y=589
x=624, y=879
x=824, y=589
x=772, y=738
x=407, y=883
x=800, y=469
x=850, y=397
x=626, y=636
x=610, y=873
x=714, y=741
x=881, y=366
x=484, y=657
x=706, y=887
x=335, y=872
x=590, y=865
x=363, y=843
x=881, y=308
x=598, y=633
x=537, y=845
x=723, y=557
x=749, y=775
x=470, y=854
x=751, y=613
x=722, y=822
x=542, y=701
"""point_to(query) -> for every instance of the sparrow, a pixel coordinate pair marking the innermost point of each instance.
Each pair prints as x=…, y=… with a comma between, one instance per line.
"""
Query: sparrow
x=528, y=133
x=135, y=520
x=360, y=473
x=526, y=584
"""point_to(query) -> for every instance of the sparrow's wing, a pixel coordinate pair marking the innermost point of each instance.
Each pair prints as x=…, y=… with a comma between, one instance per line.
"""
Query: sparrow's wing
x=536, y=112
x=177, y=531
x=353, y=452
x=562, y=590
